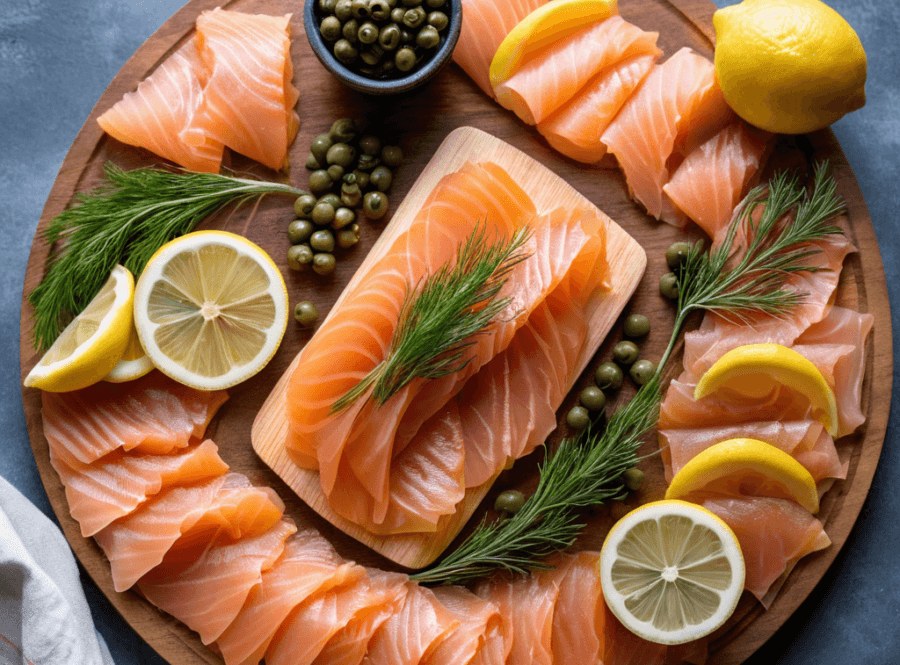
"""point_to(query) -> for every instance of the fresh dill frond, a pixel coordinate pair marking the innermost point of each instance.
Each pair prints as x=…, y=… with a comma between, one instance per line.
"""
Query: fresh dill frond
x=125, y=220
x=438, y=322
x=587, y=470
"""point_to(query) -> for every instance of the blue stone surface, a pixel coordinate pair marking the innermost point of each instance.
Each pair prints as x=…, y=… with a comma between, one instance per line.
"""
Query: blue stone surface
x=57, y=57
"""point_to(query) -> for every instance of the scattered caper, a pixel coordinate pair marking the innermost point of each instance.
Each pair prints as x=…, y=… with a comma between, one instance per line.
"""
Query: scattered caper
x=642, y=371
x=343, y=10
x=319, y=147
x=438, y=20
x=347, y=238
x=676, y=254
x=323, y=213
x=304, y=204
x=397, y=14
x=592, y=398
x=335, y=171
x=375, y=205
x=370, y=58
x=320, y=181
x=367, y=162
x=405, y=59
x=298, y=256
x=327, y=6
x=633, y=479
x=578, y=417
x=392, y=156
x=351, y=30
x=368, y=33
x=350, y=191
x=510, y=501
x=345, y=51
x=362, y=178
x=306, y=313
x=343, y=130
x=428, y=37
x=636, y=325
x=341, y=154
x=668, y=286
x=323, y=263
x=360, y=8
x=300, y=230
x=330, y=28
x=322, y=241
x=381, y=178
x=625, y=352
x=370, y=145
x=406, y=37
x=331, y=198
x=608, y=376
x=342, y=217
x=389, y=37
x=379, y=9
x=312, y=163
x=414, y=17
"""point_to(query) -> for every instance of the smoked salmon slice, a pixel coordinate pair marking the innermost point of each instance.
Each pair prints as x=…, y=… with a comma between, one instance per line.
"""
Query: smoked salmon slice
x=552, y=77
x=249, y=96
x=205, y=586
x=485, y=24
x=579, y=618
x=115, y=485
x=137, y=543
x=166, y=114
x=477, y=620
x=152, y=415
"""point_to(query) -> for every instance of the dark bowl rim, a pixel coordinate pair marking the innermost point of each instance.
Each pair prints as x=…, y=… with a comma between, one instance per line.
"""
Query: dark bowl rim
x=364, y=84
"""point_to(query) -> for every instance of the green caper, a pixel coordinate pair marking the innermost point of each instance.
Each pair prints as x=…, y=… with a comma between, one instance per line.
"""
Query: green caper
x=343, y=130
x=320, y=181
x=392, y=156
x=642, y=371
x=625, y=352
x=414, y=17
x=578, y=417
x=298, y=256
x=351, y=30
x=636, y=325
x=386, y=67
x=332, y=199
x=379, y=9
x=389, y=37
x=350, y=191
x=322, y=241
x=360, y=9
x=410, y=3
x=375, y=205
x=370, y=145
x=371, y=58
x=342, y=217
x=438, y=20
x=303, y=204
x=327, y=6
x=319, y=147
x=368, y=33
x=306, y=313
x=345, y=51
x=312, y=163
x=343, y=10
x=367, y=162
x=405, y=59
x=406, y=37
x=676, y=254
x=323, y=213
x=608, y=376
x=397, y=14
x=510, y=501
x=362, y=178
x=668, y=286
x=381, y=178
x=434, y=4
x=341, y=154
x=428, y=37
x=300, y=230
x=336, y=171
x=633, y=479
x=392, y=3
x=346, y=238
x=330, y=29
x=592, y=398
x=323, y=263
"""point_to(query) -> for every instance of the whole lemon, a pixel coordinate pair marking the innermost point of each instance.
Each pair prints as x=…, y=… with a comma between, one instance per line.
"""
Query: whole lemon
x=788, y=66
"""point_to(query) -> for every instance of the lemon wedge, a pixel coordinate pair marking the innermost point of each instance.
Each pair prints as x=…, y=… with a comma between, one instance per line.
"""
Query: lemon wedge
x=92, y=344
x=134, y=363
x=545, y=25
x=671, y=571
x=210, y=309
x=746, y=467
x=755, y=370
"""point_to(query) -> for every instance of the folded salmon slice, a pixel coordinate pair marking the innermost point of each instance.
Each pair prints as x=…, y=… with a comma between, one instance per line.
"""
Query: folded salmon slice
x=552, y=77
x=249, y=97
x=677, y=107
x=477, y=619
x=152, y=415
x=576, y=128
x=204, y=586
x=308, y=565
x=115, y=485
x=348, y=645
x=166, y=114
x=184, y=516
x=485, y=24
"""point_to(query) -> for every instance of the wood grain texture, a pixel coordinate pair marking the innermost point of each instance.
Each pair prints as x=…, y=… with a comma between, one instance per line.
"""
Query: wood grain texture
x=421, y=121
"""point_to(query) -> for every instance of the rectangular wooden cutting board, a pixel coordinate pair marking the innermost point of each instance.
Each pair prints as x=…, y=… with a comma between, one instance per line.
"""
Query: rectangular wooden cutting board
x=627, y=263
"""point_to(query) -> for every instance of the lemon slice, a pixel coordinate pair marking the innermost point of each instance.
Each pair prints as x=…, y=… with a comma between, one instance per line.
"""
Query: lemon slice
x=92, y=344
x=545, y=25
x=134, y=363
x=671, y=571
x=210, y=309
x=747, y=467
x=754, y=370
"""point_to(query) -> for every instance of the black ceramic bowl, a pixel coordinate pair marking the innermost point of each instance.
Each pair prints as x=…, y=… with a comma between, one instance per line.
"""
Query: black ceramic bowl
x=388, y=86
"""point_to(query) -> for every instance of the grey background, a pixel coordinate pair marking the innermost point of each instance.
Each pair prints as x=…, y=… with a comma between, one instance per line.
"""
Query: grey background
x=57, y=57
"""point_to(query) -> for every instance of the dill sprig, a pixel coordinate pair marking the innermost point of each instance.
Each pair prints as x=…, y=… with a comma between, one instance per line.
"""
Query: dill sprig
x=438, y=322
x=587, y=469
x=125, y=220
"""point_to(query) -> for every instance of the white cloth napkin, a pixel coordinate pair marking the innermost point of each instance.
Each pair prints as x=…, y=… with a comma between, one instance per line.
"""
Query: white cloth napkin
x=44, y=616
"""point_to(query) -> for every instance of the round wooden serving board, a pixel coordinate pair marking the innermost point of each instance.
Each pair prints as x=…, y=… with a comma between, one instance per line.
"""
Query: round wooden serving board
x=420, y=121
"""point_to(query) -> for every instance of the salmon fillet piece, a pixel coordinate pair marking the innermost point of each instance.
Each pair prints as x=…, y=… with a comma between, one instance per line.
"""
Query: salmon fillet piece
x=478, y=619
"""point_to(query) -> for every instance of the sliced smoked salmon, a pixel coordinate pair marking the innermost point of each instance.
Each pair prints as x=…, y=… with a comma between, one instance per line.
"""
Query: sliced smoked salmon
x=478, y=620
x=579, y=618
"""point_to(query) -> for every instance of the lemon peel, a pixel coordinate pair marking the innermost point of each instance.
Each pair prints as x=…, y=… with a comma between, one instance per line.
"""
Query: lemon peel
x=545, y=25
x=671, y=571
x=134, y=363
x=746, y=467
